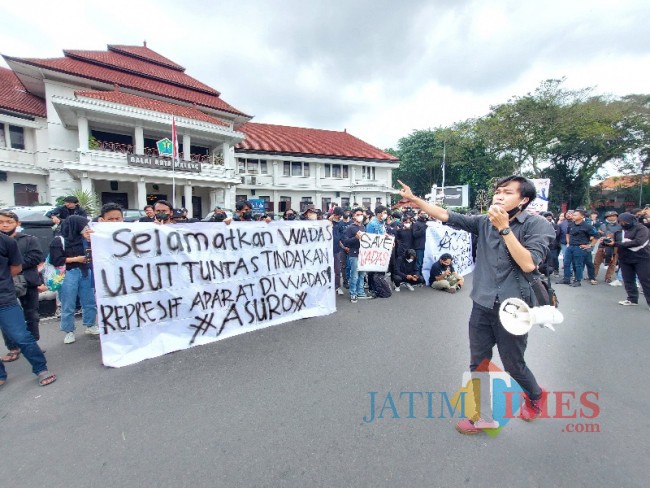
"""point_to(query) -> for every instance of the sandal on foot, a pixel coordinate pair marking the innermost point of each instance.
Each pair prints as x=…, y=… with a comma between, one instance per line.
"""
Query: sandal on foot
x=2, y=382
x=11, y=356
x=46, y=378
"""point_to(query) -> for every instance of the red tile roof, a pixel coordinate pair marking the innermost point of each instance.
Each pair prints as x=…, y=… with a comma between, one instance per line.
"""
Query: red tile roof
x=150, y=104
x=301, y=141
x=15, y=98
x=143, y=52
x=137, y=66
x=627, y=181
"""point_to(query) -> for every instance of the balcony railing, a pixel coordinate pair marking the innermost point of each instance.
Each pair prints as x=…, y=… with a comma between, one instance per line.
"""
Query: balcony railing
x=122, y=148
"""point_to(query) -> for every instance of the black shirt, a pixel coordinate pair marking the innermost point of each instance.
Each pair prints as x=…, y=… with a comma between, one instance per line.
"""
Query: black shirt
x=580, y=234
x=438, y=268
x=9, y=256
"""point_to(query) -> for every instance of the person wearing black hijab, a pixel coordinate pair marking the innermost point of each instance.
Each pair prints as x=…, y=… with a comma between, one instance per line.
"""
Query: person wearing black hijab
x=634, y=258
x=72, y=249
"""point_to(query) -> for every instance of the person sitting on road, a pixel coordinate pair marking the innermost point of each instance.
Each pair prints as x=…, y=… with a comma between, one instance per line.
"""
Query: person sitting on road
x=443, y=275
x=406, y=271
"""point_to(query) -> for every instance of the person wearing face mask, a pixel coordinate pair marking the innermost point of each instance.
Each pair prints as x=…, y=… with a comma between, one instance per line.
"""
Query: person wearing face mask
x=71, y=249
x=376, y=225
x=404, y=236
x=420, y=237
x=337, y=233
x=406, y=272
x=289, y=214
x=243, y=211
x=581, y=237
x=634, y=258
x=443, y=275
x=511, y=242
x=351, y=245
x=609, y=232
x=32, y=257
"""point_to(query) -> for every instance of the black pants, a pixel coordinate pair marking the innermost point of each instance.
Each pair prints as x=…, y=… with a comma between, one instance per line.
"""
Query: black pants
x=398, y=281
x=485, y=330
x=29, y=302
x=630, y=272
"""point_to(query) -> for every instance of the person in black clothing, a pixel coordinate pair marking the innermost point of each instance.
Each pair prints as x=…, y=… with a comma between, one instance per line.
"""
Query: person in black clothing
x=72, y=249
x=338, y=227
x=420, y=237
x=634, y=258
x=552, y=263
x=12, y=321
x=70, y=207
x=32, y=256
x=406, y=271
x=581, y=237
x=404, y=236
x=150, y=214
x=351, y=245
x=443, y=275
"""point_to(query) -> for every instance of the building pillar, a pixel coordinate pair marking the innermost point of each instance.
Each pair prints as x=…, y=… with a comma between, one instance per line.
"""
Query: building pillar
x=139, y=140
x=319, y=201
x=317, y=174
x=228, y=156
x=187, y=190
x=276, y=201
x=7, y=135
x=86, y=183
x=213, y=198
x=141, y=193
x=186, y=149
x=276, y=173
x=83, y=134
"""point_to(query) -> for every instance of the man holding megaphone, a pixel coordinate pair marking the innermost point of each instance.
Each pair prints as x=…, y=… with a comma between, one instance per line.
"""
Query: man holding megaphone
x=510, y=243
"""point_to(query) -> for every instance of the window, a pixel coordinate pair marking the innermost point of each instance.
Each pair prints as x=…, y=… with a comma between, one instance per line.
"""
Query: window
x=345, y=202
x=336, y=171
x=295, y=168
x=368, y=172
x=365, y=202
x=325, y=204
x=252, y=166
x=16, y=137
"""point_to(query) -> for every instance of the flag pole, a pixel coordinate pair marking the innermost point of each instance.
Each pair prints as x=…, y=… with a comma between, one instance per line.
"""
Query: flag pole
x=174, y=156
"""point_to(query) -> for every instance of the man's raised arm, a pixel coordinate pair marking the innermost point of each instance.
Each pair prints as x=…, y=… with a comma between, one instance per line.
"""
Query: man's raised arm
x=431, y=209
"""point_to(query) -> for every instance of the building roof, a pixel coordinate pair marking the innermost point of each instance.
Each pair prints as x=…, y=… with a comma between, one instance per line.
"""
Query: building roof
x=15, y=98
x=151, y=104
x=279, y=139
x=136, y=68
x=614, y=182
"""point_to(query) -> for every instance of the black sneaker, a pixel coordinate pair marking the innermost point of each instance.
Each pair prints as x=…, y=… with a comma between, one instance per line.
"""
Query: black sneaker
x=576, y=284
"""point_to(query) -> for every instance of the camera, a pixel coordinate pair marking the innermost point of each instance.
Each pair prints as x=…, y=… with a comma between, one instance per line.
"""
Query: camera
x=608, y=240
x=218, y=217
x=162, y=216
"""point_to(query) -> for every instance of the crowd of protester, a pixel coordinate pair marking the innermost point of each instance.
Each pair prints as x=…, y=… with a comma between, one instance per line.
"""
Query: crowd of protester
x=620, y=243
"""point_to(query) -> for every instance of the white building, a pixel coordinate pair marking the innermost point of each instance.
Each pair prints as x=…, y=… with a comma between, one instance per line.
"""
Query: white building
x=91, y=119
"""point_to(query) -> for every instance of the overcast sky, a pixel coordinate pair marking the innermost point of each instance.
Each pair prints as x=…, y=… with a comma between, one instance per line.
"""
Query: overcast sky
x=378, y=68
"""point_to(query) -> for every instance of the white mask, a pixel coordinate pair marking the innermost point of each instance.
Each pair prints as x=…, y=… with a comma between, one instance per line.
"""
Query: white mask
x=359, y=218
x=311, y=216
x=409, y=260
x=384, y=217
x=407, y=226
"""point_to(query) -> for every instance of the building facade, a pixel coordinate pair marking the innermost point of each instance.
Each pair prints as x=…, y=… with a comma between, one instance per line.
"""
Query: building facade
x=92, y=120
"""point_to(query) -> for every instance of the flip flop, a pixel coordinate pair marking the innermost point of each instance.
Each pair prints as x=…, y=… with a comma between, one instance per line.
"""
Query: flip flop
x=46, y=378
x=2, y=382
x=11, y=356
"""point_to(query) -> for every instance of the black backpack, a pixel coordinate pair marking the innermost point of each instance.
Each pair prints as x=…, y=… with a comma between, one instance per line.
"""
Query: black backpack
x=381, y=286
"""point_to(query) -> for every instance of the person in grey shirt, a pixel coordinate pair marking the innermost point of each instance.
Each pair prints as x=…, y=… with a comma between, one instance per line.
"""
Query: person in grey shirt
x=510, y=242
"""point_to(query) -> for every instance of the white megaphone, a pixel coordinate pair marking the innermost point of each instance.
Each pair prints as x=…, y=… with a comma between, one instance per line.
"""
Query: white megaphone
x=518, y=318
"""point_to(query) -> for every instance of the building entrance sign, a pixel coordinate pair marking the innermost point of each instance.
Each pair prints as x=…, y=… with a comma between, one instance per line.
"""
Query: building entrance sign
x=153, y=162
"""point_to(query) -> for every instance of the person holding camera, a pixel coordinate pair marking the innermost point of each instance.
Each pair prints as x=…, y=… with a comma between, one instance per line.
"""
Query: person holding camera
x=218, y=215
x=610, y=232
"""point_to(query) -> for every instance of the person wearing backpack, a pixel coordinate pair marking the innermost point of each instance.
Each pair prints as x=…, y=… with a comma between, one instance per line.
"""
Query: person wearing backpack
x=511, y=244
x=30, y=250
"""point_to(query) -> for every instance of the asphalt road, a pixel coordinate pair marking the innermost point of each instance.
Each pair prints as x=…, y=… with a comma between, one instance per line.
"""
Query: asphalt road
x=284, y=406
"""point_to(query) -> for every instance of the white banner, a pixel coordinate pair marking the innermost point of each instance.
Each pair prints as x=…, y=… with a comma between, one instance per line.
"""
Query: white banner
x=540, y=204
x=374, y=251
x=162, y=288
x=443, y=239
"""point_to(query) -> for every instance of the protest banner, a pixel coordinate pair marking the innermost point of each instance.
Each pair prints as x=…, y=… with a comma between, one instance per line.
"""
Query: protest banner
x=443, y=239
x=162, y=288
x=375, y=251
x=540, y=204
